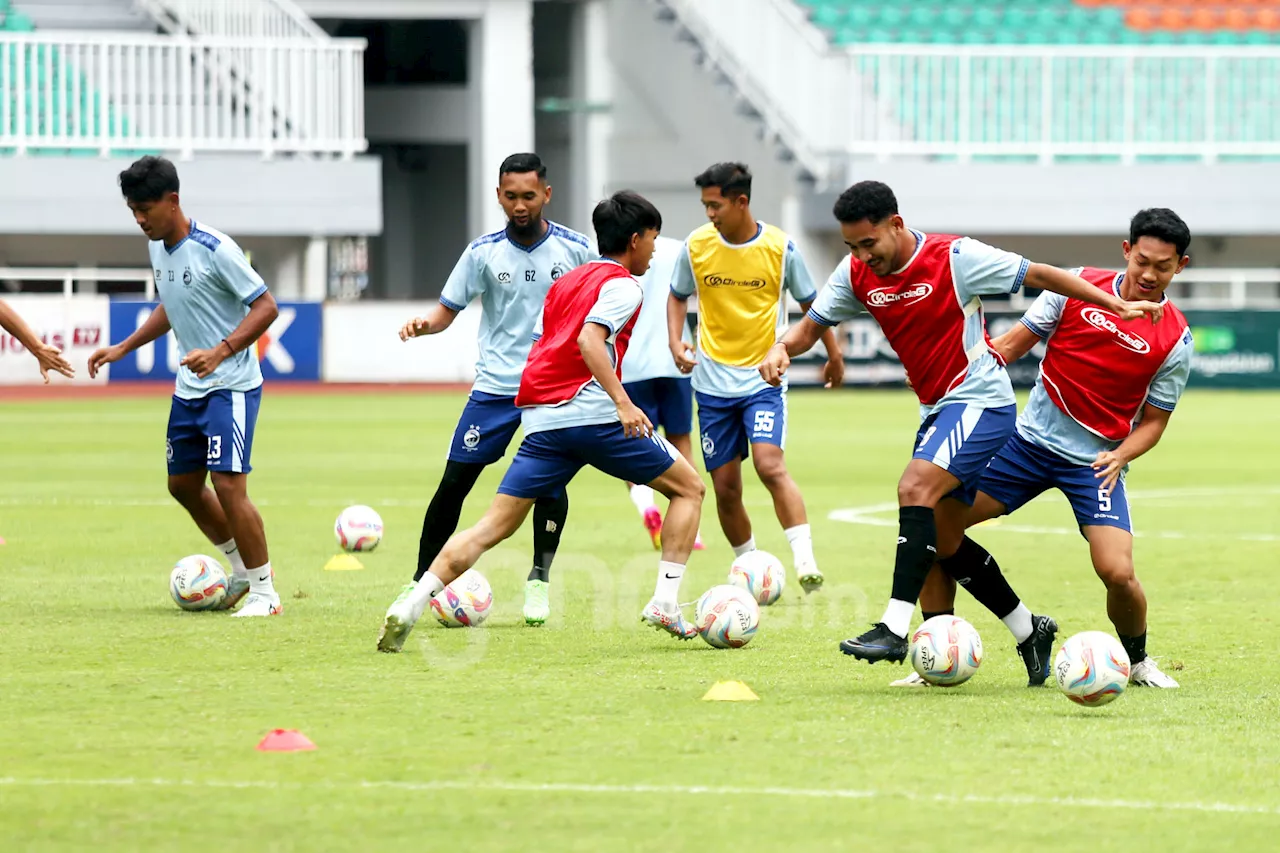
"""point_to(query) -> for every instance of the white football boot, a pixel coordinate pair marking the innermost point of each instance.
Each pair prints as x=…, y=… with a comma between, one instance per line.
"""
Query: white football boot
x=1145, y=673
x=258, y=604
x=402, y=615
x=911, y=679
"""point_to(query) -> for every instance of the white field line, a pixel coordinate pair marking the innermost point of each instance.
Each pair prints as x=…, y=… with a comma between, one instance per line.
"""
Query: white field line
x=657, y=790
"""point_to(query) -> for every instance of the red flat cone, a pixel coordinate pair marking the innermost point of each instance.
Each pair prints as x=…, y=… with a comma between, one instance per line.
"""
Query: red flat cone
x=285, y=740
x=1, y=540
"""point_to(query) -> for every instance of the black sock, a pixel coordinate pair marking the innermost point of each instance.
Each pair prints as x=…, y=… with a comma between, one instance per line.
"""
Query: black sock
x=549, y=514
x=917, y=549
x=926, y=615
x=979, y=573
x=444, y=511
x=1136, y=647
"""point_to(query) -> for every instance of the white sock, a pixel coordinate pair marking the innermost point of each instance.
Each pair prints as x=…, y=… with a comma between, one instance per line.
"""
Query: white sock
x=642, y=497
x=233, y=554
x=424, y=590
x=801, y=545
x=667, y=592
x=1019, y=623
x=260, y=581
x=745, y=548
x=897, y=616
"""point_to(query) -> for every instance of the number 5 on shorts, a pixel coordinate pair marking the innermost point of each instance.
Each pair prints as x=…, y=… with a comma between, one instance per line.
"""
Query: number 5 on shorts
x=1104, y=500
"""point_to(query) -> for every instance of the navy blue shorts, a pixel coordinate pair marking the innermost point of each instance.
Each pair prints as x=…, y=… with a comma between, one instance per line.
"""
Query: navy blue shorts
x=730, y=425
x=548, y=460
x=961, y=439
x=667, y=402
x=1022, y=470
x=485, y=429
x=213, y=432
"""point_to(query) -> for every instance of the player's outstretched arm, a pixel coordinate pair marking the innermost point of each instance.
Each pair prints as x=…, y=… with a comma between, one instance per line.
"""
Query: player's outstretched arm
x=48, y=356
x=1015, y=343
x=262, y=313
x=595, y=352
x=155, y=326
x=1146, y=435
x=1045, y=277
x=833, y=370
x=438, y=318
x=799, y=339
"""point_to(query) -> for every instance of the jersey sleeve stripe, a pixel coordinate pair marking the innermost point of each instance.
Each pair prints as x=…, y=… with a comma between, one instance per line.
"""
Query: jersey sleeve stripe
x=809, y=298
x=1161, y=404
x=451, y=305
x=601, y=322
x=249, y=300
x=1039, y=332
x=819, y=319
x=1021, y=276
x=683, y=297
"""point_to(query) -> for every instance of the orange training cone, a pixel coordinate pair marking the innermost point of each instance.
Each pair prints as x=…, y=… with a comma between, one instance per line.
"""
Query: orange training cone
x=285, y=740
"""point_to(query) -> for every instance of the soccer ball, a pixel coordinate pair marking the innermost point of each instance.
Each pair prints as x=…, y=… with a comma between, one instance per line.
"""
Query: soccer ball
x=358, y=528
x=464, y=603
x=946, y=651
x=1092, y=668
x=727, y=617
x=760, y=574
x=198, y=583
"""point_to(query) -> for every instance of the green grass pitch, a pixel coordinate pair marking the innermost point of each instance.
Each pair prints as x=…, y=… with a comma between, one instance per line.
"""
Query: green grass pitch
x=126, y=724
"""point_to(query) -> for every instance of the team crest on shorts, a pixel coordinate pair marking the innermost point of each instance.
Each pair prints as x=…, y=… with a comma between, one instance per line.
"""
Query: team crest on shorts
x=168, y=450
x=708, y=446
x=471, y=438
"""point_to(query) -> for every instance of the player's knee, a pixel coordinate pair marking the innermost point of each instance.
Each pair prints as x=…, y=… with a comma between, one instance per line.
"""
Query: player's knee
x=914, y=490
x=772, y=471
x=727, y=491
x=185, y=490
x=1116, y=574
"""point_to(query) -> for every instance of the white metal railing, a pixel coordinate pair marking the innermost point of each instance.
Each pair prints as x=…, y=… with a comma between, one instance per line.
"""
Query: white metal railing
x=235, y=18
x=1036, y=102
x=105, y=92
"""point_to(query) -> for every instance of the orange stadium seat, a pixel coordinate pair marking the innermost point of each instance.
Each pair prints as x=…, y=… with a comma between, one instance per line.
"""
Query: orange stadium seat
x=1140, y=18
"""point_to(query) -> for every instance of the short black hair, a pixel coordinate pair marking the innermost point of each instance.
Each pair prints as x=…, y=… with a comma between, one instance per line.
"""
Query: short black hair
x=1163, y=224
x=733, y=179
x=621, y=215
x=149, y=179
x=869, y=200
x=519, y=164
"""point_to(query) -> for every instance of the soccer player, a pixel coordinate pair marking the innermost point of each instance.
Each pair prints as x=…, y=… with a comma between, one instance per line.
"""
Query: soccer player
x=217, y=307
x=577, y=413
x=48, y=357
x=510, y=272
x=740, y=267
x=652, y=380
x=1105, y=392
x=925, y=292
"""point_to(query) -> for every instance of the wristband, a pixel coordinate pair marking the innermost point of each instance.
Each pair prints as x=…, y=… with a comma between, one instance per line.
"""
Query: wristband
x=230, y=348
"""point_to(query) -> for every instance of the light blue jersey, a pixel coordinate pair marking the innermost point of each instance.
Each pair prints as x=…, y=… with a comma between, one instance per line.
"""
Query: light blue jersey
x=1044, y=424
x=206, y=286
x=649, y=353
x=723, y=380
x=511, y=282
x=617, y=301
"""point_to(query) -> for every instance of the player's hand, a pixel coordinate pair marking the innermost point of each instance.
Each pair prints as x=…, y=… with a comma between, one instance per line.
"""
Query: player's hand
x=634, y=422
x=414, y=328
x=833, y=372
x=683, y=354
x=1108, y=467
x=1134, y=310
x=775, y=365
x=102, y=357
x=50, y=358
x=203, y=362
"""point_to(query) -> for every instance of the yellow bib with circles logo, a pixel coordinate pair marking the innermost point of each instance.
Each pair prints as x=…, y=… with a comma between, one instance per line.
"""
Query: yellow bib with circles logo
x=739, y=294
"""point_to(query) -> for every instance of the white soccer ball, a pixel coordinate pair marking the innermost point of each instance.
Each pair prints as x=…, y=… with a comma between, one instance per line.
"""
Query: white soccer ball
x=1092, y=668
x=464, y=603
x=358, y=528
x=761, y=574
x=727, y=616
x=946, y=651
x=198, y=583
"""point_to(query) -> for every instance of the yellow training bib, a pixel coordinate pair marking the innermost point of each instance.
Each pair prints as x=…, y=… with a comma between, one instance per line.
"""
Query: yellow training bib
x=739, y=293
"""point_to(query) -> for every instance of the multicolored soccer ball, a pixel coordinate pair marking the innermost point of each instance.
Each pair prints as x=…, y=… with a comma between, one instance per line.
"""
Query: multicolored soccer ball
x=760, y=574
x=727, y=617
x=1092, y=668
x=946, y=651
x=358, y=528
x=198, y=583
x=465, y=603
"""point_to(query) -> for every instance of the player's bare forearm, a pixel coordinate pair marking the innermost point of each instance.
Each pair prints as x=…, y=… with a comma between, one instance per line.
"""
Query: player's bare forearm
x=677, y=317
x=591, y=343
x=1046, y=277
x=829, y=340
x=1015, y=343
x=801, y=337
x=438, y=318
x=152, y=328
x=262, y=313
x=16, y=326
x=1145, y=435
